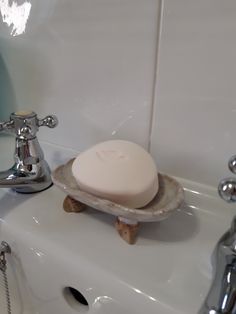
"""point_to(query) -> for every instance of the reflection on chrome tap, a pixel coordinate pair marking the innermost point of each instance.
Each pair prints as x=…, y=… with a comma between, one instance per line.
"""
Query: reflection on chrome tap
x=221, y=298
x=222, y=295
x=30, y=172
x=15, y=15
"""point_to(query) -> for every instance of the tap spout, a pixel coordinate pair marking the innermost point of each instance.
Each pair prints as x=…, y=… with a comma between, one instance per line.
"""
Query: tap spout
x=27, y=179
x=221, y=298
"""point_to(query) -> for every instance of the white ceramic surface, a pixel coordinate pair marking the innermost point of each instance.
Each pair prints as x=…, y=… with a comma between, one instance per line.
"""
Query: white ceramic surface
x=90, y=62
x=195, y=110
x=168, y=271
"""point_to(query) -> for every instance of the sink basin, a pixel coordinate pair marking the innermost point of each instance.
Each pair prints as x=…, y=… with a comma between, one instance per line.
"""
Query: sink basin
x=76, y=263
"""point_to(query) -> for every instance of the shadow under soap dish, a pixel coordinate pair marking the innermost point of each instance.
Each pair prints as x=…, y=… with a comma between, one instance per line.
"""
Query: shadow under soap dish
x=169, y=198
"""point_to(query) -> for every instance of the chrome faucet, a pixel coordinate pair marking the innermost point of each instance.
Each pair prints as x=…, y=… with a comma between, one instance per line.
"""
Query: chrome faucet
x=222, y=296
x=30, y=172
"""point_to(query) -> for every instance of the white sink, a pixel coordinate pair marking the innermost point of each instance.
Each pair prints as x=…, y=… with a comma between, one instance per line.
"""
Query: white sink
x=168, y=270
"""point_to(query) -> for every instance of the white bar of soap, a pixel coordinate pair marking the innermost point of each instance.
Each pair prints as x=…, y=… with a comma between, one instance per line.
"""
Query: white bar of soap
x=119, y=171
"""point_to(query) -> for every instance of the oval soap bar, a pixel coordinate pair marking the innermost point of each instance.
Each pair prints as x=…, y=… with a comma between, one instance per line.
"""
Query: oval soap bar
x=119, y=171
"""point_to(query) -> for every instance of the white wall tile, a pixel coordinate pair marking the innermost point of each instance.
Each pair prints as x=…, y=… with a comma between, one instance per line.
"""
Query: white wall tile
x=195, y=105
x=91, y=62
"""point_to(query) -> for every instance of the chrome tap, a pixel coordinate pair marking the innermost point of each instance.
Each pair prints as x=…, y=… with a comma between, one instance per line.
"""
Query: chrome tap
x=227, y=187
x=30, y=172
x=222, y=296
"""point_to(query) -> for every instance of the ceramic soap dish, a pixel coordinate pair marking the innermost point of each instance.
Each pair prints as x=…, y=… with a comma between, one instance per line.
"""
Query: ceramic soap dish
x=169, y=197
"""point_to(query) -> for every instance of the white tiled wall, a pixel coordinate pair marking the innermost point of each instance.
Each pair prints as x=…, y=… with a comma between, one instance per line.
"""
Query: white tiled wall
x=91, y=62
x=194, y=124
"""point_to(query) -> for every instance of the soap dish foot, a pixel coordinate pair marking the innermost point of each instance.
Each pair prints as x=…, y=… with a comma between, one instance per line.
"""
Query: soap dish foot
x=71, y=205
x=128, y=230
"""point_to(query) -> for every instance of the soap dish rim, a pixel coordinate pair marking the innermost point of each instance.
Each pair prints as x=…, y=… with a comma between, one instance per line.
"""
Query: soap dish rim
x=145, y=214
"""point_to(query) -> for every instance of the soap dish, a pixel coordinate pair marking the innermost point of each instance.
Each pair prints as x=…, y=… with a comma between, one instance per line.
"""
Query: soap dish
x=169, y=198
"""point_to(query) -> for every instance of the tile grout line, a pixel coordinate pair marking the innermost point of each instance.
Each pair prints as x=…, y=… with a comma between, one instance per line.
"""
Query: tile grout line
x=157, y=52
